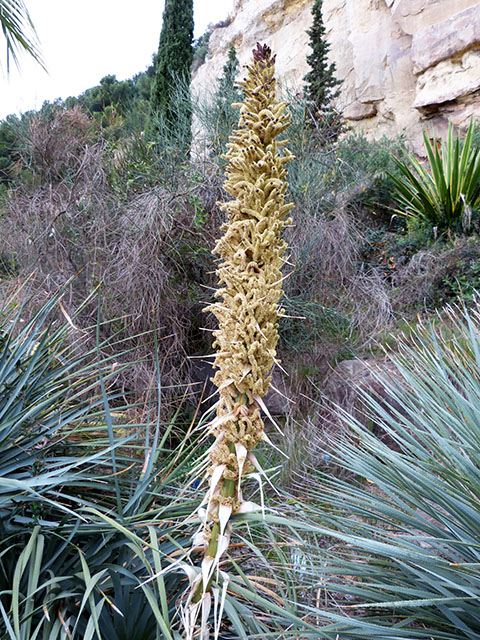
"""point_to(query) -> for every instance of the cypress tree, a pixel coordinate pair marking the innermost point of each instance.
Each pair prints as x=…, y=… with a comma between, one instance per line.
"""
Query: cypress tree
x=173, y=63
x=230, y=69
x=226, y=116
x=321, y=86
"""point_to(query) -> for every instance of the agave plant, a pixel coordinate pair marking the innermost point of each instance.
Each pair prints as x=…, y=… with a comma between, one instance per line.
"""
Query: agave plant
x=399, y=535
x=251, y=252
x=447, y=194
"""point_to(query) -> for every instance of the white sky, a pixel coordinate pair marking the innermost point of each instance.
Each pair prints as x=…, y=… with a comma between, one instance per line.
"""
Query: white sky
x=84, y=40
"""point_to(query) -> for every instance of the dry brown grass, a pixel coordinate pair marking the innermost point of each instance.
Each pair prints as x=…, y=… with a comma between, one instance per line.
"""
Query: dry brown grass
x=343, y=309
x=147, y=253
x=429, y=278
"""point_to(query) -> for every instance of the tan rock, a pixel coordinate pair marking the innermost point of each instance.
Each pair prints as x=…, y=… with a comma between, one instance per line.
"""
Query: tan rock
x=360, y=111
x=415, y=15
x=447, y=39
x=449, y=80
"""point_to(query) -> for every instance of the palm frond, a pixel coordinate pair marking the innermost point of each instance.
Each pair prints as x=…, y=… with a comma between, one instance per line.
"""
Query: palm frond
x=18, y=31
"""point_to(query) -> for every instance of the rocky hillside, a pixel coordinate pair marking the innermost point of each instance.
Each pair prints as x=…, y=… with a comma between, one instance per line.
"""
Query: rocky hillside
x=405, y=64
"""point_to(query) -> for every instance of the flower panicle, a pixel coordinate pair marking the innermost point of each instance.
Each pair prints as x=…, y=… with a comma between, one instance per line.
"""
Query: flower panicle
x=247, y=309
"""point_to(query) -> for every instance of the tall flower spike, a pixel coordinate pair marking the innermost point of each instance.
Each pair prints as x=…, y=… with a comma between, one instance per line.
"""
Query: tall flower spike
x=249, y=290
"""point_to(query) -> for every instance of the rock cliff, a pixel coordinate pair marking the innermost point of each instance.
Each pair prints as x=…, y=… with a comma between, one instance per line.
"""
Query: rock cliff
x=405, y=64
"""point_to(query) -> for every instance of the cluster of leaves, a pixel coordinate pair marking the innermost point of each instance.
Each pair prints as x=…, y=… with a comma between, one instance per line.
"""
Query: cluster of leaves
x=447, y=196
x=8, y=141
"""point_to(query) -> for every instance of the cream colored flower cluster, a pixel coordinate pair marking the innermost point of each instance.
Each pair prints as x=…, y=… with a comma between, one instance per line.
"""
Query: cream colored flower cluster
x=251, y=251
x=250, y=286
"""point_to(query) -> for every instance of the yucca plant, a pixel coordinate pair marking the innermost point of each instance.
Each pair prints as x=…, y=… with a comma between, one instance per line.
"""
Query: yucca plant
x=46, y=391
x=447, y=195
x=85, y=515
x=94, y=509
x=398, y=538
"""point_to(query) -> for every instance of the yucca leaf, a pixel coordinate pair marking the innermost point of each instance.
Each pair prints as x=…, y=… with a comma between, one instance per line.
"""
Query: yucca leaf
x=157, y=565
x=437, y=167
x=6, y=620
x=409, y=515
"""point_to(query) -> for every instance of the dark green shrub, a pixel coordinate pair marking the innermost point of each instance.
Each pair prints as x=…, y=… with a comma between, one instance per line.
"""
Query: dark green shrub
x=8, y=148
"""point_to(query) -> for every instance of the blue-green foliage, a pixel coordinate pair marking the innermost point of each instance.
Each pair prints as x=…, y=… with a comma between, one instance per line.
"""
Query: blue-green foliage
x=400, y=497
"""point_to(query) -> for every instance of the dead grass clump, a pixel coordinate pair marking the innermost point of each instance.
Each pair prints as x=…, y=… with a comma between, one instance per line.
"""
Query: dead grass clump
x=337, y=310
x=368, y=305
x=414, y=280
x=436, y=276
x=324, y=251
x=152, y=279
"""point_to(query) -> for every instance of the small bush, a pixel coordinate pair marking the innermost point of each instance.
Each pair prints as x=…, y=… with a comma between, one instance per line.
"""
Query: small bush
x=200, y=50
x=55, y=141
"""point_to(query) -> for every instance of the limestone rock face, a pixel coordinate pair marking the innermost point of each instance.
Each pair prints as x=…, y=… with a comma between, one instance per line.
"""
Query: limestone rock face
x=279, y=23
x=447, y=39
x=406, y=65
